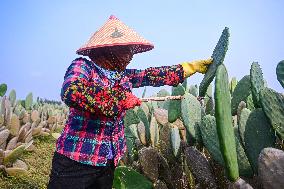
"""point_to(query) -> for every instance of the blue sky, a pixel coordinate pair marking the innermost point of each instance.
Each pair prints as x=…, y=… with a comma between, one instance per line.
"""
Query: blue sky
x=39, y=38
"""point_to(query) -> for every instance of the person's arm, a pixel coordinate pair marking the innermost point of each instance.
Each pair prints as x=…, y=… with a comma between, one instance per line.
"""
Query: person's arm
x=78, y=92
x=166, y=75
x=156, y=76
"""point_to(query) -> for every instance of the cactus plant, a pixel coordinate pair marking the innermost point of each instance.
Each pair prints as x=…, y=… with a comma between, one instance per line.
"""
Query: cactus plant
x=131, y=118
x=29, y=101
x=241, y=92
x=125, y=177
x=257, y=135
x=280, y=72
x=233, y=84
x=144, y=118
x=273, y=106
x=175, y=140
x=164, y=105
x=12, y=97
x=3, y=89
x=210, y=138
x=257, y=83
x=154, y=131
x=218, y=58
x=174, y=111
x=224, y=123
x=193, y=89
x=191, y=116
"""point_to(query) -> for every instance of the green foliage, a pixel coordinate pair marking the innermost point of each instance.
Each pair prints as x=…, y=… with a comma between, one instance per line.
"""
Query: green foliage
x=131, y=118
x=273, y=106
x=12, y=97
x=126, y=178
x=224, y=123
x=243, y=162
x=191, y=116
x=257, y=135
x=174, y=111
x=3, y=89
x=280, y=72
x=257, y=83
x=29, y=101
x=193, y=89
x=161, y=104
x=241, y=92
x=144, y=118
x=175, y=140
x=210, y=138
x=233, y=84
x=218, y=58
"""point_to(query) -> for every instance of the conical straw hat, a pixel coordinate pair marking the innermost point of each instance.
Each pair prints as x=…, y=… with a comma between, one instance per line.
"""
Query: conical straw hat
x=114, y=33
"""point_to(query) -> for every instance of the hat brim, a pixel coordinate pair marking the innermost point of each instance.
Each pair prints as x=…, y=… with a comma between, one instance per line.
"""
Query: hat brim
x=136, y=48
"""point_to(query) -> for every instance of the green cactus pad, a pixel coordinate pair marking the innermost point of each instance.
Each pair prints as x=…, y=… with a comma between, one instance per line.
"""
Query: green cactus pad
x=154, y=131
x=243, y=162
x=193, y=89
x=224, y=123
x=250, y=103
x=126, y=177
x=218, y=58
x=12, y=97
x=233, y=84
x=210, y=138
x=174, y=111
x=257, y=83
x=144, y=118
x=191, y=116
x=165, y=104
x=184, y=84
x=3, y=89
x=258, y=135
x=15, y=171
x=280, y=72
x=244, y=115
x=175, y=138
x=131, y=118
x=29, y=101
x=14, y=155
x=241, y=92
x=273, y=106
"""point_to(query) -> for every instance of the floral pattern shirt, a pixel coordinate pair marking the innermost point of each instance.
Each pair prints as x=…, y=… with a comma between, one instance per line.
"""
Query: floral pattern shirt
x=94, y=130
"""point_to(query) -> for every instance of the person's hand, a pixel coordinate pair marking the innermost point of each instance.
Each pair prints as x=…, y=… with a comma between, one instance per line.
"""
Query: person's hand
x=130, y=101
x=199, y=66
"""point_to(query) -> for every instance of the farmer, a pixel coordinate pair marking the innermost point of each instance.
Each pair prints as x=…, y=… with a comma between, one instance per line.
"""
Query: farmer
x=98, y=92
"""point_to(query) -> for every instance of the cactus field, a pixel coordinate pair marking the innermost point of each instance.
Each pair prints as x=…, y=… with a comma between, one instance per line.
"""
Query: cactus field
x=223, y=133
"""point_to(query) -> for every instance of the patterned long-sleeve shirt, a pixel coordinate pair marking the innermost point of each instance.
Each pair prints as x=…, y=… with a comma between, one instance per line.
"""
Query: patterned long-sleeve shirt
x=94, y=130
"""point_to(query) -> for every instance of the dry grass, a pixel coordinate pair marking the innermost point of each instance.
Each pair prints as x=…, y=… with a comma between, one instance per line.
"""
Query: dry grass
x=39, y=163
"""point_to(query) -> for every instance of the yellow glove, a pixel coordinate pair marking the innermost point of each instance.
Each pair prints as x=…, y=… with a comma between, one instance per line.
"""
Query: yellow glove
x=200, y=66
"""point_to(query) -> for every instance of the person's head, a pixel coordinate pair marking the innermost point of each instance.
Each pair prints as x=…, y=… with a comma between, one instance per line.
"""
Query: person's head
x=114, y=58
x=114, y=44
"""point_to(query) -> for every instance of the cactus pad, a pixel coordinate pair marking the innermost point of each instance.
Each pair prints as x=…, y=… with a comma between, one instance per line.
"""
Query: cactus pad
x=258, y=135
x=3, y=89
x=241, y=92
x=224, y=123
x=280, y=72
x=218, y=58
x=210, y=138
x=273, y=106
x=191, y=116
x=257, y=83
x=174, y=111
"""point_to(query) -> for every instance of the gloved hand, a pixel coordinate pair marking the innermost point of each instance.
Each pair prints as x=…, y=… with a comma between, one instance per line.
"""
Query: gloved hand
x=200, y=66
x=130, y=101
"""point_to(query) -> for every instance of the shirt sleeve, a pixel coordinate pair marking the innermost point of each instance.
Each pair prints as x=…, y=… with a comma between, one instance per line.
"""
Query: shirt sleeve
x=156, y=76
x=80, y=92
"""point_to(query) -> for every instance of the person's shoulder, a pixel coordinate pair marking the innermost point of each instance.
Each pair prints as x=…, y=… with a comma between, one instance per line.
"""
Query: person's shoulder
x=82, y=60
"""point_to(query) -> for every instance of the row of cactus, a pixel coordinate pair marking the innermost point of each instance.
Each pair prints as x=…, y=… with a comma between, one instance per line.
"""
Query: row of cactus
x=20, y=122
x=180, y=144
